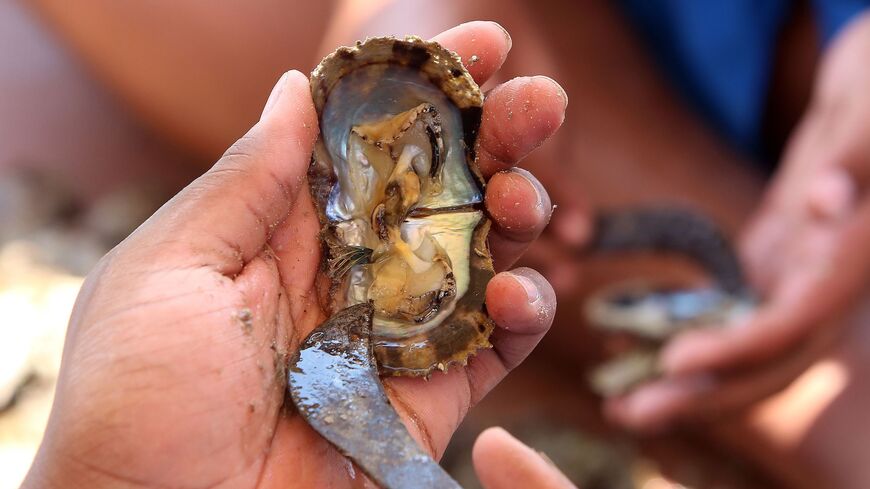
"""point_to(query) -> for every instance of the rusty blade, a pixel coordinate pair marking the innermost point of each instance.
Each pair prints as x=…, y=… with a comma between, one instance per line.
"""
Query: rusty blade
x=334, y=383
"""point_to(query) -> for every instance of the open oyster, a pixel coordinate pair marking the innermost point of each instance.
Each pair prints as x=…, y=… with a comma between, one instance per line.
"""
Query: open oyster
x=400, y=199
x=641, y=316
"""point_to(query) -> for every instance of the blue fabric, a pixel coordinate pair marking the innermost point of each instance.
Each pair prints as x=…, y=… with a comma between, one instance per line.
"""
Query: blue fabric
x=719, y=53
x=833, y=15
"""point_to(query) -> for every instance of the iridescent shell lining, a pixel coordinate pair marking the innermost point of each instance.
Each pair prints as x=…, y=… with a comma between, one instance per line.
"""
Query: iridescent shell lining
x=400, y=199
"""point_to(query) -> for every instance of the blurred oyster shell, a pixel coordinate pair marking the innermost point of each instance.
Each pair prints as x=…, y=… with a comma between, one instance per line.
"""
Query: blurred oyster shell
x=400, y=199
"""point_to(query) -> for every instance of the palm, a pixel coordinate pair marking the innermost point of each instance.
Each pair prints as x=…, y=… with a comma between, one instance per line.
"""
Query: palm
x=208, y=367
x=271, y=305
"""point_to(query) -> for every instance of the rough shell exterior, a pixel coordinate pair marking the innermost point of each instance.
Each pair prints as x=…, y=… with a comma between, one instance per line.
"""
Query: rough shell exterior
x=468, y=327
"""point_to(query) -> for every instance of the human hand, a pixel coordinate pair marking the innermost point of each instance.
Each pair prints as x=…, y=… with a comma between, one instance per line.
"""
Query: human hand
x=174, y=367
x=806, y=253
x=503, y=462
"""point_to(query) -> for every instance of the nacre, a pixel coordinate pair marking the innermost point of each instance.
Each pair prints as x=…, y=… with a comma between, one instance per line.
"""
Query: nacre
x=400, y=199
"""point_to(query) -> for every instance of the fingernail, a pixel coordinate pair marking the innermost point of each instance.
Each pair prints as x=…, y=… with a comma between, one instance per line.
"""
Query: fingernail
x=562, y=94
x=274, y=96
x=536, y=187
x=507, y=36
x=533, y=294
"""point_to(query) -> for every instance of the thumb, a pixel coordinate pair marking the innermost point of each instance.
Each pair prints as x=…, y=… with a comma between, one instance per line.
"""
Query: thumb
x=503, y=462
x=225, y=217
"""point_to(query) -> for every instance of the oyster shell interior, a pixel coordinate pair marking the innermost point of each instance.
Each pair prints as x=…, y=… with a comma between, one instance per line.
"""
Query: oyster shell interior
x=401, y=199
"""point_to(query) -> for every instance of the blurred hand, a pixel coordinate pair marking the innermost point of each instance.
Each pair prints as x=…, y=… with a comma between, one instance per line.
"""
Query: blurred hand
x=503, y=462
x=806, y=252
x=173, y=371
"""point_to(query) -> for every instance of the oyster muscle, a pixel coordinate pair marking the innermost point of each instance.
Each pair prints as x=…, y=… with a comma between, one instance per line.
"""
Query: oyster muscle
x=400, y=199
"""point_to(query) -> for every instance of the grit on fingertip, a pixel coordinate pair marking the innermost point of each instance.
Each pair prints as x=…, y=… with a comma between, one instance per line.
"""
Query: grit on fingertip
x=561, y=91
x=483, y=42
x=518, y=117
x=518, y=204
x=521, y=301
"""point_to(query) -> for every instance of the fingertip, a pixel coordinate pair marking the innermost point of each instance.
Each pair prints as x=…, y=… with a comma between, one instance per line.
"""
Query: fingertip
x=521, y=301
x=518, y=204
x=554, y=89
x=289, y=80
x=509, y=43
x=519, y=116
x=520, y=209
x=650, y=408
x=289, y=111
x=493, y=32
x=274, y=95
x=833, y=195
x=628, y=414
x=501, y=461
x=690, y=352
x=252, y=188
x=487, y=456
x=296, y=80
x=482, y=45
x=487, y=443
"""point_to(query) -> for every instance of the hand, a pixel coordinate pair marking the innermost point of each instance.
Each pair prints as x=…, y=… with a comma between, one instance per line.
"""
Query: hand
x=503, y=462
x=806, y=251
x=173, y=371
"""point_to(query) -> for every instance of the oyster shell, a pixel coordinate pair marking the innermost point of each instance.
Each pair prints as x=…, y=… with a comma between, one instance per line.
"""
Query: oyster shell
x=643, y=315
x=400, y=199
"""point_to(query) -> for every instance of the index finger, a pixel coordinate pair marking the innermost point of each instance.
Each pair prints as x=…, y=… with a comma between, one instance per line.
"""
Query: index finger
x=774, y=329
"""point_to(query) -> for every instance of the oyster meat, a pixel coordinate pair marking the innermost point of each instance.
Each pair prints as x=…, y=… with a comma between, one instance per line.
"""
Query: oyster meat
x=400, y=199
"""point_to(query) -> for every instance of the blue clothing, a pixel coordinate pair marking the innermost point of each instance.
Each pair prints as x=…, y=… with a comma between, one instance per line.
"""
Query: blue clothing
x=719, y=53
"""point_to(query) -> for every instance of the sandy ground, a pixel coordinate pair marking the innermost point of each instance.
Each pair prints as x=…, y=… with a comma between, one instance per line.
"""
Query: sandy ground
x=56, y=122
x=29, y=357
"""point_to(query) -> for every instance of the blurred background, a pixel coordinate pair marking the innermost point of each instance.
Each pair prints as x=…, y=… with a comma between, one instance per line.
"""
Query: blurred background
x=109, y=108
x=77, y=173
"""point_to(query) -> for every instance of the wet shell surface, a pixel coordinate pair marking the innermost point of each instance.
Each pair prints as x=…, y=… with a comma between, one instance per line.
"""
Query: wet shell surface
x=400, y=199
